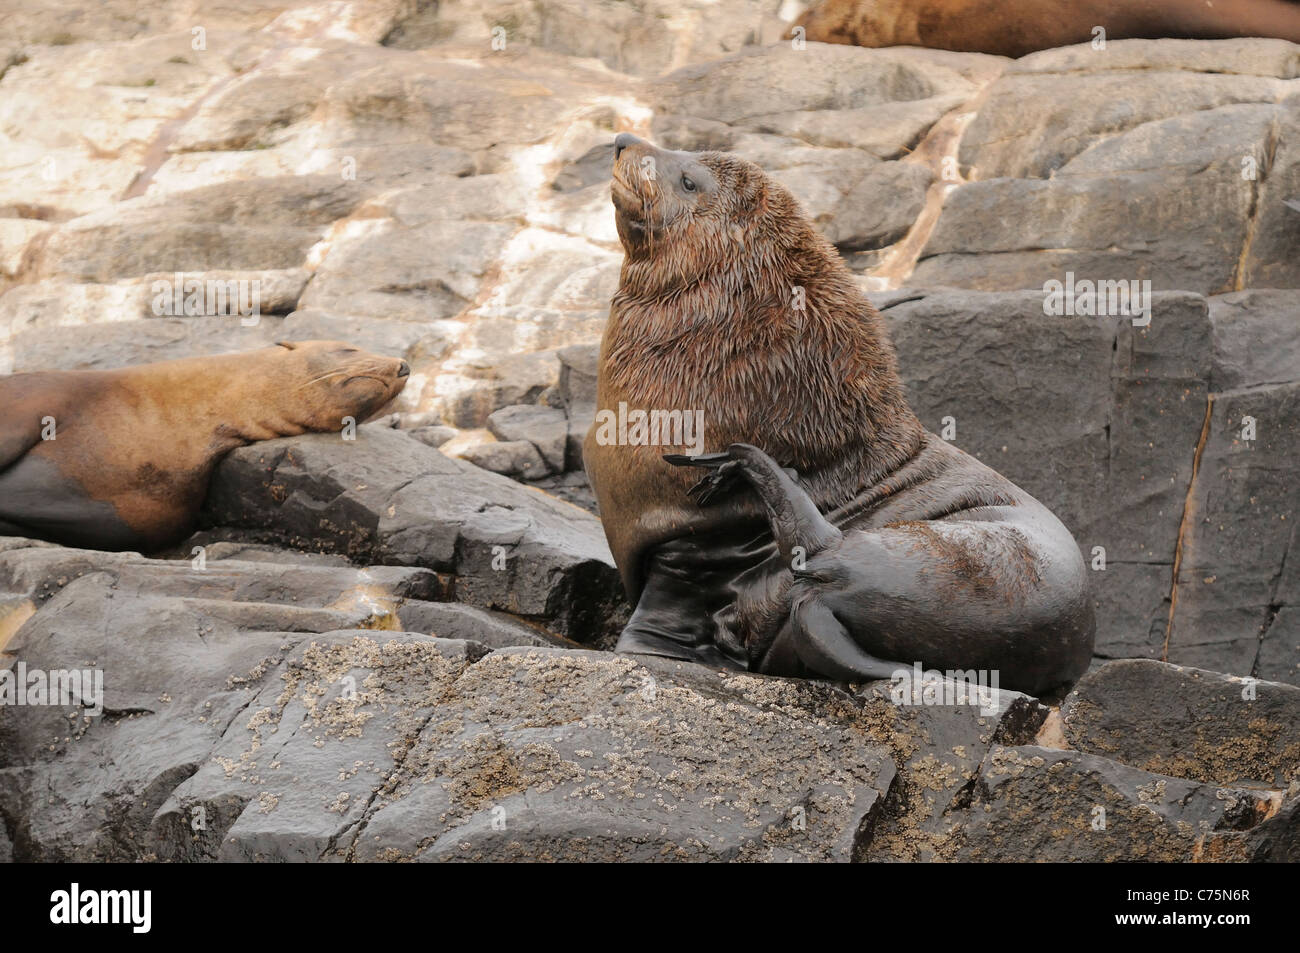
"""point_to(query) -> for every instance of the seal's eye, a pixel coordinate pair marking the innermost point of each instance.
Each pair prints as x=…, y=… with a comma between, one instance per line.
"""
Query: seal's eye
x=688, y=183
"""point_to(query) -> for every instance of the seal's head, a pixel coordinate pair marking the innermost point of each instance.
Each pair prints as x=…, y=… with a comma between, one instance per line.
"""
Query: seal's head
x=681, y=215
x=732, y=302
x=318, y=383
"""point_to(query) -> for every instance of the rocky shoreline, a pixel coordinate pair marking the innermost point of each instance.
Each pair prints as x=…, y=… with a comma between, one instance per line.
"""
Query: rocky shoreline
x=396, y=647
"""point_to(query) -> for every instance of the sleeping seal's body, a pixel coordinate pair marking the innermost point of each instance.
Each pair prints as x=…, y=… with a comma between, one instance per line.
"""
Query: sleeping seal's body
x=120, y=459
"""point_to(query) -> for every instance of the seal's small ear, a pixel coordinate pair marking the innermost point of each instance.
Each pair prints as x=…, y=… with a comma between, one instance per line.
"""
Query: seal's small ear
x=286, y=344
x=751, y=199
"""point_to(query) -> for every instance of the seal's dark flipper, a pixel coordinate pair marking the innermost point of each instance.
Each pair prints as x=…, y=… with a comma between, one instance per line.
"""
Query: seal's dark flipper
x=825, y=646
x=698, y=460
x=795, y=519
x=723, y=480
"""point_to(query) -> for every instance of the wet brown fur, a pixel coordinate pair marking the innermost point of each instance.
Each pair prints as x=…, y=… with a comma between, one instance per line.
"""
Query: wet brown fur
x=145, y=439
x=704, y=319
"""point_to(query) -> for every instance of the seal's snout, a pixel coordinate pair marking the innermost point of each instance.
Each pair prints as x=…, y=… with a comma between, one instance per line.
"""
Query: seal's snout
x=403, y=369
x=623, y=140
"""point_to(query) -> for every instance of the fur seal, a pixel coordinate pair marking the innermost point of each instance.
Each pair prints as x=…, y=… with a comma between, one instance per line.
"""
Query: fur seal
x=120, y=459
x=730, y=303
x=1018, y=27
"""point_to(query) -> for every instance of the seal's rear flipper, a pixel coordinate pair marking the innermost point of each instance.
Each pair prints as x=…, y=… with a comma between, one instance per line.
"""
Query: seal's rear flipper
x=726, y=474
x=825, y=646
x=795, y=519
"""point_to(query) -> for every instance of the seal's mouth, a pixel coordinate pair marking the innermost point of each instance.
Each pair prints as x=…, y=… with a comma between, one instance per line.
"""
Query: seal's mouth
x=629, y=202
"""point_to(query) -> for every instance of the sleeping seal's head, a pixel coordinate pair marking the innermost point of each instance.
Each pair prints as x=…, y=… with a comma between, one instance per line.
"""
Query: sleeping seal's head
x=315, y=384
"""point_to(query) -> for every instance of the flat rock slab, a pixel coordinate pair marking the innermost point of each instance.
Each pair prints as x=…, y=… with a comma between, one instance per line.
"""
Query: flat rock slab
x=1042, y=804
x=939, y=730
x=366, y=745
x=388, y=498
x=1188, y=723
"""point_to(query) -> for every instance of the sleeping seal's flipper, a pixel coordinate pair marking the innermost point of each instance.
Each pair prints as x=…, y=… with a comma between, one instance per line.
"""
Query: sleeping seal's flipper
x=825, y=646
x=795, y=519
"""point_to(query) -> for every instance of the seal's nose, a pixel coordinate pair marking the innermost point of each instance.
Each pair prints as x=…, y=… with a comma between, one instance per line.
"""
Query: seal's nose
x=623, y=140
x=403, y=369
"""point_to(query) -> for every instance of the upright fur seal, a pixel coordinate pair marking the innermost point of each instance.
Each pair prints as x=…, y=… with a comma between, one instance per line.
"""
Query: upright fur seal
x=1017, y=27
x=121, y=459
x=731, y=303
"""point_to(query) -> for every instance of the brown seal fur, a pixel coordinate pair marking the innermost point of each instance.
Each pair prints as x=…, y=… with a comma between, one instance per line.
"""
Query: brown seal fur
x=133, y=448
x=706, y=279
x=731, y=303
x=1018, y=27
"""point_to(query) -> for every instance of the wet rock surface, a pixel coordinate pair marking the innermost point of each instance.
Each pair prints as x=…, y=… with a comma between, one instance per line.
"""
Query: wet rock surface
x=380, y=649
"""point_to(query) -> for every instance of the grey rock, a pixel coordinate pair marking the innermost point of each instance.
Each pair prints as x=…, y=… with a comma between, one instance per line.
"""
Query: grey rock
x=1033, y=123
x=1188, y=723
x=1270, y=260
x=1165, y=202
x=495, y=630
x=1240, y=530
x=176, y=669
x=572, y=487
x=419, y=420
x=546, y=428
x=232, y=226
x=1043, y=805
x=1279, y=652
x=123, y=343
x=364, y=745
x=1243, y=57
x=642, y=37
x=886, y=131
x=512, y=458
x=579, y=369
x=386, y=335
x=298, y=770
x=433, y=436
x=517, y=379
x=389, y=499
x=743, y=88
x=1254, y=338
x=631, y=761
x=939, y=731
x=422, y=273
x=1096, y=418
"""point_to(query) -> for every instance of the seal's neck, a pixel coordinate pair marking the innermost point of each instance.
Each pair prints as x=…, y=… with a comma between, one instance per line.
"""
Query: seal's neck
x=233, y=406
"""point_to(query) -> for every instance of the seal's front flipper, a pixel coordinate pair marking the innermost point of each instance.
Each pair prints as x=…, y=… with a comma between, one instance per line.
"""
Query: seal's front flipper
x=825, y=646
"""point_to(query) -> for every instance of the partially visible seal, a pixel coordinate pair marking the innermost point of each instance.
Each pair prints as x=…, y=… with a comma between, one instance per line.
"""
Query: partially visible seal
x=1018, y=27
x=120, y=459
x=730, y=303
